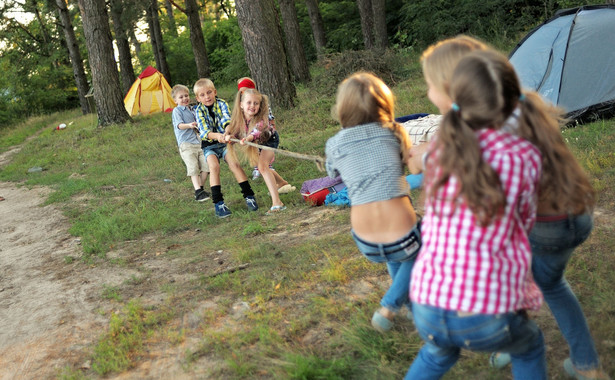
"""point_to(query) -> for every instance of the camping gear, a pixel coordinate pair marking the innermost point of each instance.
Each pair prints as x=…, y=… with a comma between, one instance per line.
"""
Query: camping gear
x=315, y=191
x=150, y=93
x=569, y=59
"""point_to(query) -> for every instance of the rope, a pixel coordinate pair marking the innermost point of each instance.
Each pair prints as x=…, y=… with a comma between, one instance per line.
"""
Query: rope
x=319, y=161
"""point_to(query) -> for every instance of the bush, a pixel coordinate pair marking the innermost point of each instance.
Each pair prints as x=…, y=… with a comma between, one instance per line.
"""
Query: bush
x=392, y=67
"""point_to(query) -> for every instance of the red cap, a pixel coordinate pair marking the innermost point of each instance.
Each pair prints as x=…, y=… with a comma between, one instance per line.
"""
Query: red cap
x=249, y=83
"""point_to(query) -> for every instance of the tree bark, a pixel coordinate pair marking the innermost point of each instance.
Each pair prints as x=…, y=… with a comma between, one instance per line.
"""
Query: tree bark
x=76, y=61
x=262, y=41
x=367, y=22
x=135, y=43
x=318, y=28
x=172, y=25
x=156, y=37
x=294, y=47
x=381, y=39
x=127, y=73
x=107, y=92
x=197, y=39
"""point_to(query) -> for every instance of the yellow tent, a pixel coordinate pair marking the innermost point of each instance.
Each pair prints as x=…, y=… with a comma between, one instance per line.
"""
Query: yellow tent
x=150, y=93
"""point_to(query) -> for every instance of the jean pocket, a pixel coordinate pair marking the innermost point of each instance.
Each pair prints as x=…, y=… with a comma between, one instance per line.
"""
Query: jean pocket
x=483, y=332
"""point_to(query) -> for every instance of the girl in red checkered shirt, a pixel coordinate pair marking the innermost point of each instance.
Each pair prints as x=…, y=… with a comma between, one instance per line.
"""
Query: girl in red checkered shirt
x=471, y=283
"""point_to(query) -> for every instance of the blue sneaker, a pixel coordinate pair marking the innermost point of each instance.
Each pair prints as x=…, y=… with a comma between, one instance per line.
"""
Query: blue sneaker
x=221, y=210
x=251, y=203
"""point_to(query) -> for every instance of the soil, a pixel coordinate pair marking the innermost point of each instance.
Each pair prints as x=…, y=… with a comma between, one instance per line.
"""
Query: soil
x=52, y=312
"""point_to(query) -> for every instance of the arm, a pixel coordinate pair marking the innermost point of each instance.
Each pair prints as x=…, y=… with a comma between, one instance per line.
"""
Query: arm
x=415, y=158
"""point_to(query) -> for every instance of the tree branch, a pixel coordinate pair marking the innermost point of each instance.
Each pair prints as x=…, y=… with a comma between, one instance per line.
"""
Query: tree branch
x=177, y=6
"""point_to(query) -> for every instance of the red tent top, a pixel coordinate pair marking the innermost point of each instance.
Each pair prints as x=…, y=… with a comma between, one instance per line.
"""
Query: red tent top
x=148, y=72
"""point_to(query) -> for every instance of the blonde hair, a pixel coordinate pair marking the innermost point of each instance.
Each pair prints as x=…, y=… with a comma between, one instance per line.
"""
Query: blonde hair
x=439, y=60
x=484, y=88
x=237, y=125
x=203, y=83
x=364, y=98
x=179, y=88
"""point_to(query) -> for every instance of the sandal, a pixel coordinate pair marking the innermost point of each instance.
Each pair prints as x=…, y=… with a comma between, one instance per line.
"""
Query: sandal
x=381, y=323
x=574, y=373
x=275, y=209
x=499, y=360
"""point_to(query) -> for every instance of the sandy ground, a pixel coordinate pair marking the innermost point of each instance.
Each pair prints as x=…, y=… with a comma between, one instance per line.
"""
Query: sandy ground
x=46, y=311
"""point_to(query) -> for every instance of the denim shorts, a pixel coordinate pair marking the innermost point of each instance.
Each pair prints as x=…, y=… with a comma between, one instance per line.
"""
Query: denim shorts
x=404, y=249
x=273, y=142
x=218, y=149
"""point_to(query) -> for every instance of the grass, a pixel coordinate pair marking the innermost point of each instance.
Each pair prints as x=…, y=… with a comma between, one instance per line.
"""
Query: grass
x=300, y=309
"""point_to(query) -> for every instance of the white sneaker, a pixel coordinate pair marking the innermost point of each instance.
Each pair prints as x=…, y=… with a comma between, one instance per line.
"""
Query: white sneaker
x=255, y=174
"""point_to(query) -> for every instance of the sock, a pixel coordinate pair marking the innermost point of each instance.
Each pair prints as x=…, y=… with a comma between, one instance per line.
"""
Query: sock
x=202, y=188
x=216, y=194
x=246, y=189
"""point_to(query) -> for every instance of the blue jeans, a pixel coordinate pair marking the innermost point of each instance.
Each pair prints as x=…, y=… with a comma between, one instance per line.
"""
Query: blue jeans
x=552, y=245
x=445, y=333
x=399, y=257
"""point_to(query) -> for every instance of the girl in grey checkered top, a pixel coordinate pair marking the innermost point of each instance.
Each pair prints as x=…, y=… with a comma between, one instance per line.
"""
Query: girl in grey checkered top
x=370, y=153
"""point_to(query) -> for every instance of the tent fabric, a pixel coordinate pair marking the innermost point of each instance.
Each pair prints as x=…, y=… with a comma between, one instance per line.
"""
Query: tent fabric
x=568, y=60
x=150, y=93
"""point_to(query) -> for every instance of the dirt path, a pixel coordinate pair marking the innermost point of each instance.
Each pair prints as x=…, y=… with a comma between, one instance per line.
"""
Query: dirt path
x=45, y=307
x=51, y=308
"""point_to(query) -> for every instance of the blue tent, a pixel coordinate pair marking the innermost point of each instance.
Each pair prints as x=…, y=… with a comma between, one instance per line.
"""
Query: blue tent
x=570, y=60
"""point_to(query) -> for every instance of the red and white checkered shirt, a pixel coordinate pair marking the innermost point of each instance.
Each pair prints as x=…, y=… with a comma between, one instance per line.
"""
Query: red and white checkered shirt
x=466, y=267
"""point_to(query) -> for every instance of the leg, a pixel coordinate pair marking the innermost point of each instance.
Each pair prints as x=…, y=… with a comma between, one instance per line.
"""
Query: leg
x=268, y=176
x=214, y=169
x=397, y=295
x=438, y=354
x=235, y=168
x=196, y=181
x=548, y=265
x=279, y=181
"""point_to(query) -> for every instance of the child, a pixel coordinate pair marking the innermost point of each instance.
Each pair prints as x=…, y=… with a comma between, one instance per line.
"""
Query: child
x=563, y=186
x=250, y=122
x=212, y=118
x=370, y=153
x=184, y=125
x=283, y=185
x=471, y=284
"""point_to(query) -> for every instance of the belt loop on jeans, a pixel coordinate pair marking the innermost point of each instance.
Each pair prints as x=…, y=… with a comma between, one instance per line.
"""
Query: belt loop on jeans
x=381, y=250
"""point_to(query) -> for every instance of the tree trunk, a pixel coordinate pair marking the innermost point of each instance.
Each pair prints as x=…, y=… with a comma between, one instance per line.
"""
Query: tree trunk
x=156, y=37
x=127, y=73
x=136, y=44
x=75, y=55
x=262, y=41
x=294, y=47
x=107, y=92
x=381, y=39
x=367, y=22
x=318, y=28
x=172, y=26
x=197, y=39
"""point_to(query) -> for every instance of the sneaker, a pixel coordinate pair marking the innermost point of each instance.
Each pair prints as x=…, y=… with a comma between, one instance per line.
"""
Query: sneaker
x=221, y=210
x=202, y=196
x=251, y=203
x=255, y=174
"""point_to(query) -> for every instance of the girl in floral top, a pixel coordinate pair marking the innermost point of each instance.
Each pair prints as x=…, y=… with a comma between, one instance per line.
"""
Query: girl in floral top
x=471, y=283
x=250, y=122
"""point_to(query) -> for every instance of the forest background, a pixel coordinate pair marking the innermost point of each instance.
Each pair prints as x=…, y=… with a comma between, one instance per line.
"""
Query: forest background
x=44, y=69
x=121, y=274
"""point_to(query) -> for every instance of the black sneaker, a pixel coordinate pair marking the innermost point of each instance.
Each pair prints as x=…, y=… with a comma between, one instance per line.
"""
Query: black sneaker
x=201, y=195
